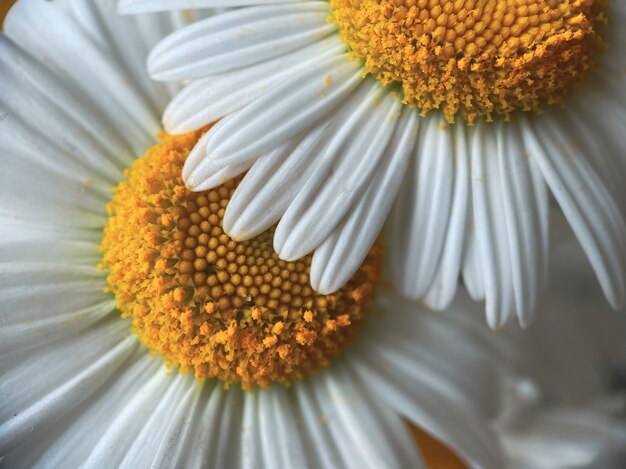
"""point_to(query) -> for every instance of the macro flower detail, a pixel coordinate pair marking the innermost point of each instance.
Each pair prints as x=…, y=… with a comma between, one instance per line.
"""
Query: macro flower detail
x=474, y=59
x=79, y=389
x=211, y=305
x=344, y=112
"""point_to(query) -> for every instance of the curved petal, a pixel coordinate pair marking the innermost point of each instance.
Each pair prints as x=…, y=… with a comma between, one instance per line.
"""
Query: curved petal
x=340, y=176
x=76, y=434
x=460, y=428
x=125, y=40
x=444, y=284
x=472, y=272
x=32, y=291
x=272, y=183
x=490, y=228
x=283, y=433
x=274, y=118
x=216, y=437
x=526, y=213
x=589, y=207
x=102, y=78
x=160, y=439
x=37, y=404
x=567, y=438
x=423, y=210
x=32, y=93
x=366, y=434
x=206, y=100
x=341, y=254
x=238, y=38
x=130, y=7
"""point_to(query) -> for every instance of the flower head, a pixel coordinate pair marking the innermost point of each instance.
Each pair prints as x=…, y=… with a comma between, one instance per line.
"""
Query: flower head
x=208, y=304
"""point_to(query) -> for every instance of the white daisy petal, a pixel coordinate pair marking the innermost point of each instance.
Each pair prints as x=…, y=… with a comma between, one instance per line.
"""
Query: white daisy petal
x=155, y=444
x=14, y=228
x=205, y=101
x=490, y=226
x=286, y=433
x=130, y=7
x=217, y=172
x=152, y=28
x=117, y=34
x=73, y=198
x=278, y=432
x=472, y=273
x=598, y=136
x=342, y=172
x=463, y=430
x=251, y=430
x=444, y=285
x=347, y=448
x=260, y=402
x=75, y=129
x=76, y=434
x=227, y=449
x=41, y=331
x=588, y=206
x=315, y=424
x=422, y=213
x=276, y=117
x=526, y=213
x=269, y=31
x=365, y=436
x=121, y=432
x=271, y=185
x=341, y=254
x=43, y=248
x=60, y=288
x=217, y=426
x=30, y=408
x=414, y=336
x=104, y=82
x=50, y=364
x=173, y=447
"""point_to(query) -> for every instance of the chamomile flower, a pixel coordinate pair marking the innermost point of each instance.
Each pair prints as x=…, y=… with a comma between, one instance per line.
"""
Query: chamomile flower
x=90, y=235
x=473, y=116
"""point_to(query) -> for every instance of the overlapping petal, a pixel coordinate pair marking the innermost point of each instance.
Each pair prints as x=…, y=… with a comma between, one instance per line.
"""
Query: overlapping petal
x=475, y=201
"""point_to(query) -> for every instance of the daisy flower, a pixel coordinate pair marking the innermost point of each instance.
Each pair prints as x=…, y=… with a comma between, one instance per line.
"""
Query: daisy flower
x=131, y=324
x=474, y=117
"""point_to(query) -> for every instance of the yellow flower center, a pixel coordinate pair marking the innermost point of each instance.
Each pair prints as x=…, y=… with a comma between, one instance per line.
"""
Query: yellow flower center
x=474, y=58
x=210, y=305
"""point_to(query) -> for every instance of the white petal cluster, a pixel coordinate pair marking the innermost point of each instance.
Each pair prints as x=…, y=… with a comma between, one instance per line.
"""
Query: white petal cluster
x=330, y=154
x=78, y=390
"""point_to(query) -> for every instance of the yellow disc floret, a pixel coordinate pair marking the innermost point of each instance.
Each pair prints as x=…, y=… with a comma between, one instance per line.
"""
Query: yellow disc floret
x=208, y=304
x=474, y=58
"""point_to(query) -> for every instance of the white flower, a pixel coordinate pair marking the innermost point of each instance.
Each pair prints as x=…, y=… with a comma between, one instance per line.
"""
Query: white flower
x=328, y=149
x=77, y=389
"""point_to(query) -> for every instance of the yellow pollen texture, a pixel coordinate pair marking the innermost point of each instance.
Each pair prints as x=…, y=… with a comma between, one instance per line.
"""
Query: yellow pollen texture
x=210, y=305
x=474, y=58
